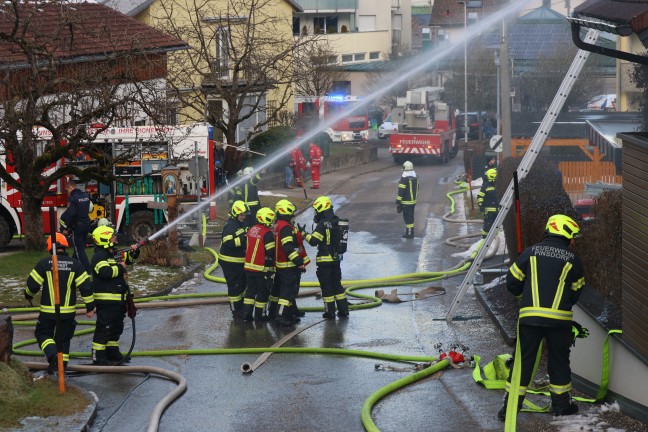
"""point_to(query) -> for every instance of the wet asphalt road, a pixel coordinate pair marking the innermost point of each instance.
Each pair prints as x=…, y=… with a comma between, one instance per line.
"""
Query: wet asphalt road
x=306, y=392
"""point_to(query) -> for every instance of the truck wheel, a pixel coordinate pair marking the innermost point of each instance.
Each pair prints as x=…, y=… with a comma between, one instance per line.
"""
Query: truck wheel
x=141, y=225
x=399, y=159
x=454, y=150
x=5, y=233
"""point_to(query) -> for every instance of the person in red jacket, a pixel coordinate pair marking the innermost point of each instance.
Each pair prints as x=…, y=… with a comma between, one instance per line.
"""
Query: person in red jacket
x=299, y=165
x=315, y=164
x=259, y=265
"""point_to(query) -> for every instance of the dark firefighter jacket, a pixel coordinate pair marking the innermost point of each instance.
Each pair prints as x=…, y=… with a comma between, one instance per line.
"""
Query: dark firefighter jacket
x=260, y=252
x=71, y=275
x=407, y=189
x=234, y=194
x=77, y=210
x=322, y=238
x=250, y=191
x=487, y=197
x=548, y=279
x=108, y=275
x=233, y=241
x=290, y=252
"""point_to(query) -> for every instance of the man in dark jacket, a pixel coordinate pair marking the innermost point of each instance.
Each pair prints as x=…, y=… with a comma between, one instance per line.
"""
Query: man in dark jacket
x=110, y=294
x=71, y=275
x=232, y=256
x=407, y=194
x=329, y=272
x=75, y=221
x=548, y=279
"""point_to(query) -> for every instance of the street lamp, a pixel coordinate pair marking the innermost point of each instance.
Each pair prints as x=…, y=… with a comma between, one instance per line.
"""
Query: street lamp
x=472, y=4
x=497, y=64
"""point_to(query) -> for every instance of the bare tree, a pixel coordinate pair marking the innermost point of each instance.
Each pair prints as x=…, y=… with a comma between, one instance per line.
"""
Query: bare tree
x=316, y=70
x=48, y=91
x=239, y=72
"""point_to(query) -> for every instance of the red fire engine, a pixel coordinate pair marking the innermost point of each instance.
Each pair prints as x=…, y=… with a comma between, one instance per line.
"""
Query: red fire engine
x=426, y=128
x=151, y=150
x=353, y=118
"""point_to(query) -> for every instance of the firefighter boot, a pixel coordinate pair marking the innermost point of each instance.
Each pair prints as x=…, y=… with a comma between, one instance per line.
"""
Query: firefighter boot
x=246, y=312
x=330, y=310
x=562, y=405
x=259, y=316
x=285, y=319
x=501, y=414
x=53, y=365
x=343, y=308
x=273, y=307
x=409, y=233
x=99, y=358
x=115, y=356
x=295, y=310
x=237, y=306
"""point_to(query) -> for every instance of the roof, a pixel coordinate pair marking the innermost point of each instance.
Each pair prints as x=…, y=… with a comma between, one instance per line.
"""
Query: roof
x=572, y=124
x=127, y=7
x=448, y=13
x=82, y=30
x=372, y=66
x=632, y=13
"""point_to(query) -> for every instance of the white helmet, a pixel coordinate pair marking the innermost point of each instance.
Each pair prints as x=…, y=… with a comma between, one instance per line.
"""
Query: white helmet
x=248, y=171
x=408, y=166
x=239, y=173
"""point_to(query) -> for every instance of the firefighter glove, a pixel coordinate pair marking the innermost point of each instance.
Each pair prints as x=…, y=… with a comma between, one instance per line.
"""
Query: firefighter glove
x=578, y=331
x=301, y=228
x=28, y=297
x=90, y=306
x=399, y=209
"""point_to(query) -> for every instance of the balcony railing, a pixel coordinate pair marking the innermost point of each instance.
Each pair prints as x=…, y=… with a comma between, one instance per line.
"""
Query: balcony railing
x=327, y=5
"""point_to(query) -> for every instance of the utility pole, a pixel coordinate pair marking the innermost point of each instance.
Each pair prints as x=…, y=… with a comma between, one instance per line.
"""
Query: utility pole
x=505, y=89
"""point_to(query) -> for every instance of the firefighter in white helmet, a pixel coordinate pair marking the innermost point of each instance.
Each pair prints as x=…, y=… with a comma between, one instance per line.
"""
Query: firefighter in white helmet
x=408, y=187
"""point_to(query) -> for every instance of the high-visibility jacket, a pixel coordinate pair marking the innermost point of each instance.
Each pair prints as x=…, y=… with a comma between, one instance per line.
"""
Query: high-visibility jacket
x=233, y=241
x=487, y=197
x=250, y=191
x=407, y=189
x=290, y=250
x=108, y=275
x=260, y=251
x=315, y=155
x=322, y=238
x=71, y=275
x=548, y=279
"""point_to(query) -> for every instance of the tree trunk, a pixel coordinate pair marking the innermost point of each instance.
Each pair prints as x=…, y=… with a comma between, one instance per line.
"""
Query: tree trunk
x=33, y=223
x=6, y=339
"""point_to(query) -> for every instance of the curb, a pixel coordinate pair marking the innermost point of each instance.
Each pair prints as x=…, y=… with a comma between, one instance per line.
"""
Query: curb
x=509, y=339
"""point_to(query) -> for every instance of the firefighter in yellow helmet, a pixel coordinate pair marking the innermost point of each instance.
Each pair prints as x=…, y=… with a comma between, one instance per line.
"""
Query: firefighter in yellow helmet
x=329, y=272
x=487, y=201
x=259, y=265
x=547, y=278
x=110, y=292
x=231, y=256
x=72, y=276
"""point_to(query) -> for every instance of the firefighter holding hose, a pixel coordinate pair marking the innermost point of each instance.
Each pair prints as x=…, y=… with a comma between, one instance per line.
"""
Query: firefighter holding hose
x=548, y=280
x=232, y=256
x=71, y=275
x=111, y=293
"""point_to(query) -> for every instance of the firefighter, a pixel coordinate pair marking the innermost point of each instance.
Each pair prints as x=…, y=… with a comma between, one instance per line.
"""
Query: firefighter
x=548, y=279
x=329, y=273
x=110, y=293
x=299, y=165
x=232, y=255
x=488, y=202
x=71, y=275
x=75, y=222
x=406, y=200
x=291, y=261
x=259, y=265
x=491, y=163
x=250, y=193
x=234, y=193
x=315, y=164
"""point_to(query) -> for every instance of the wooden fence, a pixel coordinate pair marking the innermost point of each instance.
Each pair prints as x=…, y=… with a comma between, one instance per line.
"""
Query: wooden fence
x=576, y=174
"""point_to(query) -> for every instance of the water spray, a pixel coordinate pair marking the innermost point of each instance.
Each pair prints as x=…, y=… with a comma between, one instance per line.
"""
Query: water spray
x=415, y=66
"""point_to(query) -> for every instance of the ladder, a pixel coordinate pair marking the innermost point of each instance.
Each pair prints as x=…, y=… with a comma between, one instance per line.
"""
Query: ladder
x=529, y=158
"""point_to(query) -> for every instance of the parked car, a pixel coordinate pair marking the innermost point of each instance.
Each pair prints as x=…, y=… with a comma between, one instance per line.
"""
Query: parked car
x=583, y=207
x=474, y=122
x=605, y=102
x=387, y=128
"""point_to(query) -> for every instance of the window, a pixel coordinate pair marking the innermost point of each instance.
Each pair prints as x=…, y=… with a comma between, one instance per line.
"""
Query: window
x=331, y=24
x=359, y=57
x=367, y=23
x=325, y=25
x=374, y=55
x=222, y=52
x=319, y=25
x=296, y=26
x=346, y=58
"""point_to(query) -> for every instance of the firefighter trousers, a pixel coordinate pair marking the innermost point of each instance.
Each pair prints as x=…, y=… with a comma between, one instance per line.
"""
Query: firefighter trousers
x=408, y=215
x=110, y=324
x=489, y=219
x=235, y=279
x=559, y=340
x=258, y=289
x=288, y=286
x=45, y=334
x=315, y=176
x=330, y=280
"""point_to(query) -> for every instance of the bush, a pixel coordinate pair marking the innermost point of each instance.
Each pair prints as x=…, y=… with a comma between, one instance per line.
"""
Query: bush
x=270, y=141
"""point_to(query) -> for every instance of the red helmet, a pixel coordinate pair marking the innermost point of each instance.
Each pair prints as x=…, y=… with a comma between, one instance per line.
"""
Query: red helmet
x=61, y=241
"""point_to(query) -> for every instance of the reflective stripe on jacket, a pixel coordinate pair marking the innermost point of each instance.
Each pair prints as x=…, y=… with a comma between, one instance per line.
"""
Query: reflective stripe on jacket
x=407, y=189
x=290, y=250
x=233, y=241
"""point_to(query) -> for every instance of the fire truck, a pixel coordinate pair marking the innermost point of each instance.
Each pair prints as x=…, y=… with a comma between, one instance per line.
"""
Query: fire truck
x=426, y=127
x=157, y=160
x=353, y=118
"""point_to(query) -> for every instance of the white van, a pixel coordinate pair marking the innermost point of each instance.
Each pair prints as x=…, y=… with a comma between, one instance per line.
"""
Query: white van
x=606, y=102
x=387, y=127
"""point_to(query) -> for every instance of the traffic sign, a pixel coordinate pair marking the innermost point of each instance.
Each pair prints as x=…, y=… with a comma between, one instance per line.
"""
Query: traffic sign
x=496, y=143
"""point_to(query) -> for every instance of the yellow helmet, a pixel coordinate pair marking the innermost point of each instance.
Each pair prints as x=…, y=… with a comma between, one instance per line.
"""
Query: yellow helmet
x=563, y=226
x=102, y=236
x=285, y=207
x=322, y=203
x=265, y=216
x=491, y=174
x=238, y=208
